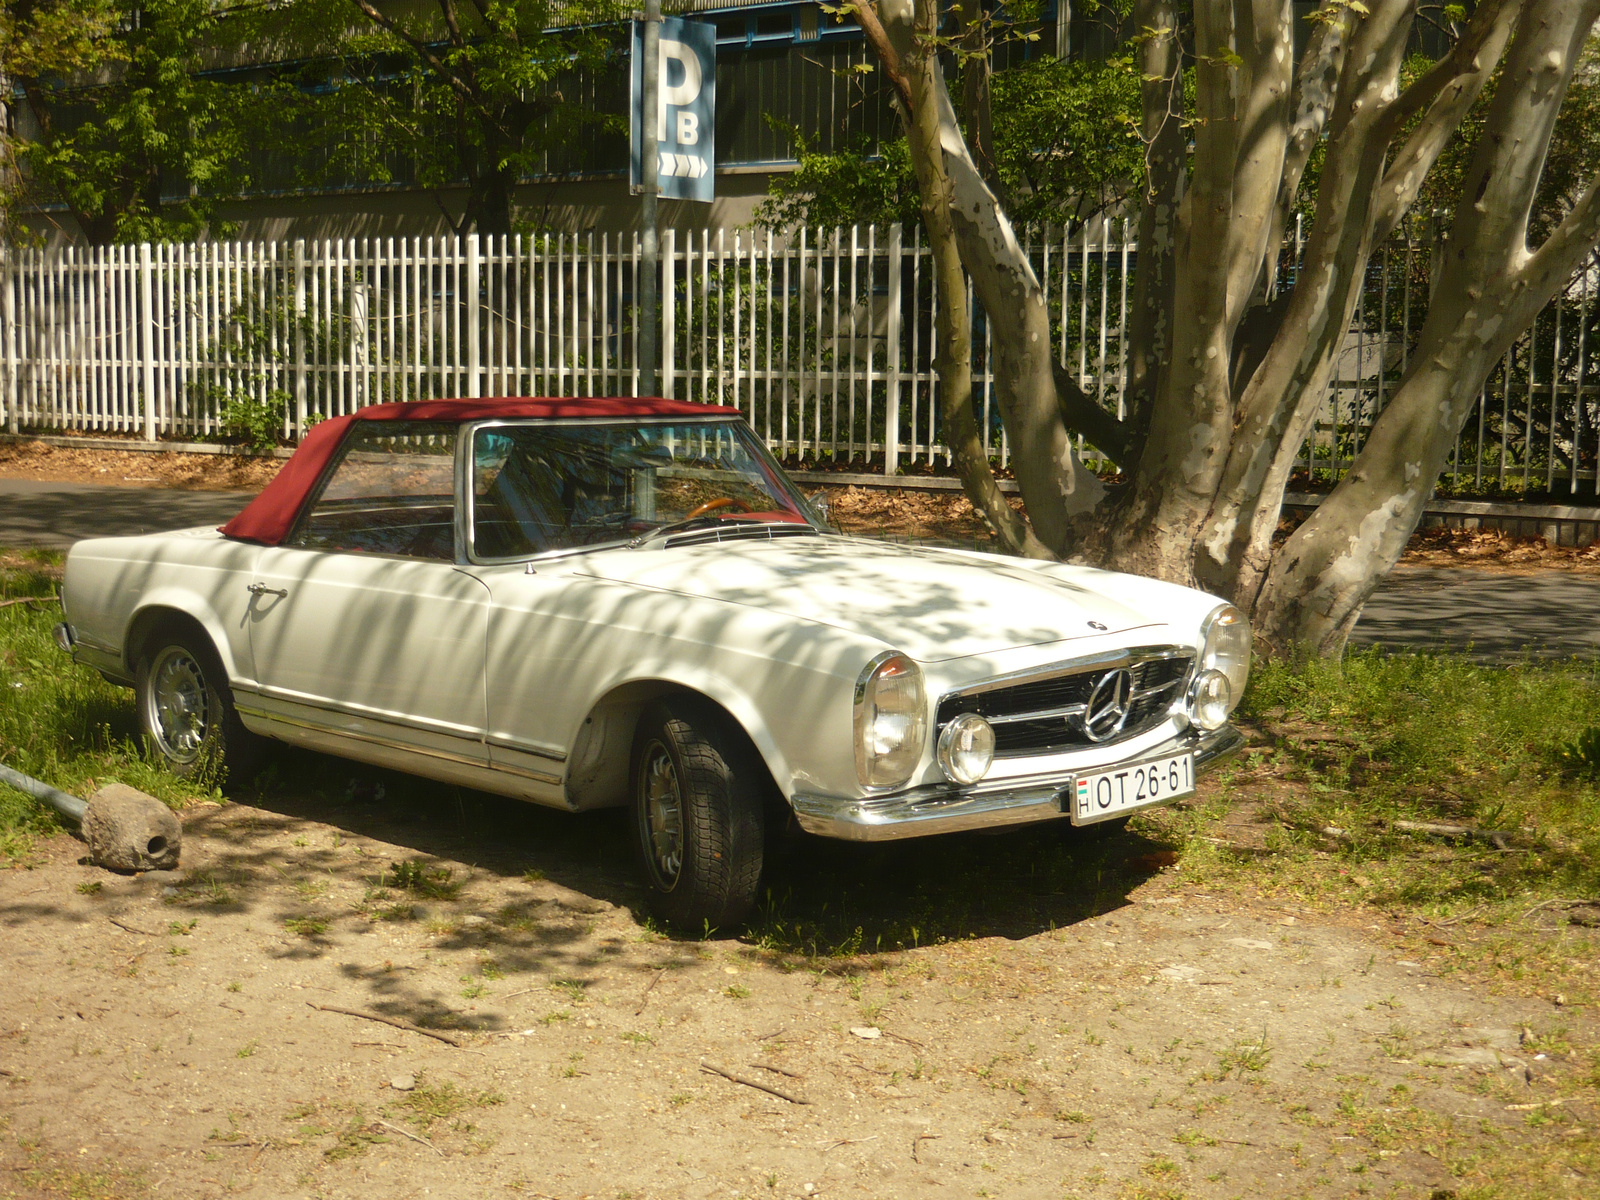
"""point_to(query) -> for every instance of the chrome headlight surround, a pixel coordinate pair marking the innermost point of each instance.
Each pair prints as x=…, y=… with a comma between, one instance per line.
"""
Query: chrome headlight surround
x=966, y=748
x=1224, y=649
x=891, y=721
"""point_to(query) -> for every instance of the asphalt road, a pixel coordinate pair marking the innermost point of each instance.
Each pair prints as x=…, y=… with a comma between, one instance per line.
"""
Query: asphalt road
x=1493, y=616
x=57, y=514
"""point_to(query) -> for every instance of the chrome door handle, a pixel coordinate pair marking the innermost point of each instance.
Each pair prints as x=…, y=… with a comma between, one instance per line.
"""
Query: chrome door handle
x=261, y=589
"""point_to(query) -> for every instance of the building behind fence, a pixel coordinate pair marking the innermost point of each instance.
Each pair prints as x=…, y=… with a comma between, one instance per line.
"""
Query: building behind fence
x=825, y=340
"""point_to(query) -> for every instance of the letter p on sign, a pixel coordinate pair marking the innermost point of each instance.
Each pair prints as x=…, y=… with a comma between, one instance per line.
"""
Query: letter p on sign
x=685, y=125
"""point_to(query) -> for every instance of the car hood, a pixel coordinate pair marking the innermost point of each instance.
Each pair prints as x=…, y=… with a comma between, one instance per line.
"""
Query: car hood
x=933, y=605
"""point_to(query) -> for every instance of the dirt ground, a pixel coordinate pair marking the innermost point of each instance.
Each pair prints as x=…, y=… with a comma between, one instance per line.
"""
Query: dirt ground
x=173, y=1034
x=136, y=468
x=904, y=514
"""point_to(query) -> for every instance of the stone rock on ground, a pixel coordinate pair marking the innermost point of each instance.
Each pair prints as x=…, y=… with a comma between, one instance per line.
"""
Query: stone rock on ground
x=128, y=830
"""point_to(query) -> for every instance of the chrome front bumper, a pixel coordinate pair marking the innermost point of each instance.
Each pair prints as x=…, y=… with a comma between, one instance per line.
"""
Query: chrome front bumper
x=950, y=808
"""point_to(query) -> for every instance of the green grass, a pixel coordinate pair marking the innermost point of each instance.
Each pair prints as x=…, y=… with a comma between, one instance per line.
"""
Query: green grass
x=60, y=722
x=1506, y=751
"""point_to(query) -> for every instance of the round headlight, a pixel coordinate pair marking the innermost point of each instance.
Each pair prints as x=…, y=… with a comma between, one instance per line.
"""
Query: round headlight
x=1225, y=646
x=891, y=721
x=966, y=748
x=1210, y=700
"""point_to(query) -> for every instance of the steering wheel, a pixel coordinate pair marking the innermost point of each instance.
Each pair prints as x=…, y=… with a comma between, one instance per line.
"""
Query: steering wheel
x=719, y=502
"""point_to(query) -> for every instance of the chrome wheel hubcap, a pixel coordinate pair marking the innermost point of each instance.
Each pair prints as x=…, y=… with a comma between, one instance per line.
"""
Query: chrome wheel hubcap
x=176, y=705
x=663, y=814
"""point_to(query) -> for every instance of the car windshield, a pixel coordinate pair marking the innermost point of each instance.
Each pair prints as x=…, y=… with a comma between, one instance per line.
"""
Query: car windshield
x=541, y=487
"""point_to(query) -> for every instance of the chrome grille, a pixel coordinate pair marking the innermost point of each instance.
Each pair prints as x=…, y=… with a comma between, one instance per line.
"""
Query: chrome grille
x=1044, y=714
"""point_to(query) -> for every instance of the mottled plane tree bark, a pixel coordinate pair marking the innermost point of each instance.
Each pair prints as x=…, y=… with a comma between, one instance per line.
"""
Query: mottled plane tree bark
x=1223, y=382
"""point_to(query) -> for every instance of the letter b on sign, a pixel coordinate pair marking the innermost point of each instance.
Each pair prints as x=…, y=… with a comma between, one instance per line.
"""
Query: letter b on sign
x=685, y=124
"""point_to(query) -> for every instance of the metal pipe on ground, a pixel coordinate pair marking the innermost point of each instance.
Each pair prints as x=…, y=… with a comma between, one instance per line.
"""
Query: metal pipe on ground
x=70, y=807
x=126, y=829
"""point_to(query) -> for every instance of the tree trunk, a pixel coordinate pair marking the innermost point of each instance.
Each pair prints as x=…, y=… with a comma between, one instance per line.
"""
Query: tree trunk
x=1243, y=74
x=1161, y=128
x=1489, y=290
x=954, y=364
x=1054, y=481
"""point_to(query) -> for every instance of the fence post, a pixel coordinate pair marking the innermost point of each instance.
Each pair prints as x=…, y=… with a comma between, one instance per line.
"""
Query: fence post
x=8, y=281
x=891, y=408
x=666, y=378
x=299, y=338
x=147, y=341
x=473, y=311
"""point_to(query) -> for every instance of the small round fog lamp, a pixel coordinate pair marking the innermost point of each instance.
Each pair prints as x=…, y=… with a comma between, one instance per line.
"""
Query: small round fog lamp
x=966, y=748
x=1211, y=700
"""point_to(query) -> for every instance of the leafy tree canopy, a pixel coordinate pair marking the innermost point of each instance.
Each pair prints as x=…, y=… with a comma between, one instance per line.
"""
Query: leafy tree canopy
x=132, y=138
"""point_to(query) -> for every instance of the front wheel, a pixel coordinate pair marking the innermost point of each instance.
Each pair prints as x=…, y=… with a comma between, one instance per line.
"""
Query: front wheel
x=186, y=710
x=697, y=814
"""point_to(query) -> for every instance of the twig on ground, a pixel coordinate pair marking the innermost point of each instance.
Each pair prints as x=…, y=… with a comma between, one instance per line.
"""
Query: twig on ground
x=132, y=928
x=523, y=992
x=1453, y=920
x=1551, y=903
x=394, y=1021
x=777, y=1070
x=861, y=1066
x=28, y=600
x=406, y=1133
x=649, y=987
x=767, y=1037
x=902, y=1038
x=1493, y=836
x=826, y=1146
x=918, y=1140
x=234, y=1145
x=713, y=1069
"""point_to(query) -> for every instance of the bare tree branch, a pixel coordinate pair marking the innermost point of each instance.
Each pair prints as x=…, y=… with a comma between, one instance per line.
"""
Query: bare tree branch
x=1316, y=88
x=423, y=49
x=888, y=57
x=1448, y=91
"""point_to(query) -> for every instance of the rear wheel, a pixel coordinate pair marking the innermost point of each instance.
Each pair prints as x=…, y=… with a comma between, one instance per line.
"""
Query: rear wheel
x=186, y=710
x=697, y=814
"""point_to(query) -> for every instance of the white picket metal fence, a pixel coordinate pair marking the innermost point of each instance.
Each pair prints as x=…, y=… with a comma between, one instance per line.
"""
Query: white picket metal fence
x=825, y=340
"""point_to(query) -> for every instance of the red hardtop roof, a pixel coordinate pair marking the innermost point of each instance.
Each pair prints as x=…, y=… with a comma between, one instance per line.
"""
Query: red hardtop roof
x=539, y=406
x=270, y=517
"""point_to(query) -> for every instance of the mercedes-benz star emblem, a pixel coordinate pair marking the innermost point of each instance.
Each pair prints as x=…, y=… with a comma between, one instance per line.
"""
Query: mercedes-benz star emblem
x=1107, y=710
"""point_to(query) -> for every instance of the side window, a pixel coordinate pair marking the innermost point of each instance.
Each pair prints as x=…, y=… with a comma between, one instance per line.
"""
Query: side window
x=392, y=491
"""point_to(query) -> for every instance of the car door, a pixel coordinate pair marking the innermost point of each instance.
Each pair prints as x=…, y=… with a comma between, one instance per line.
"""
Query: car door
x=362, y=624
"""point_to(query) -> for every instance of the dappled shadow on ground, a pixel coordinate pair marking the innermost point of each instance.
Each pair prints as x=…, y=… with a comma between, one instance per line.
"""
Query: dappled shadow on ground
x=438, y=905
x=819, y=896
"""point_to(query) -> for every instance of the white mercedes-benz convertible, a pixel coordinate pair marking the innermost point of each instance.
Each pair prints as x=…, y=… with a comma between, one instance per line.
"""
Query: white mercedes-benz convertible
x=592, y=603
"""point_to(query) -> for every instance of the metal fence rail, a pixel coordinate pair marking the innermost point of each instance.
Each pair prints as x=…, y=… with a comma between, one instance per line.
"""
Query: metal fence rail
x=826, y=339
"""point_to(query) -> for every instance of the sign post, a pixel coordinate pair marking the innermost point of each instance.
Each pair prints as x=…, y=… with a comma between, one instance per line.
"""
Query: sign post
x=646, y=88
x=673, y=152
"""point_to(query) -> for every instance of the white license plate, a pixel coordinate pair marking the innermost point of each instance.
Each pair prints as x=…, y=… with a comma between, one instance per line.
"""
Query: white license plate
x=1105, y=794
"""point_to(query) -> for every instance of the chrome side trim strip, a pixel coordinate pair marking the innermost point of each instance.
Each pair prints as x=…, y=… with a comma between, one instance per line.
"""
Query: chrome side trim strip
x=394, y=744
x=948, y=808
x=383, y=716
x=526, y=746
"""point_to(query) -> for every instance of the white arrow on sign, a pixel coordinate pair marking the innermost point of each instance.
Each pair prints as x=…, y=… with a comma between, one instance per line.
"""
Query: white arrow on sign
x=689, y=166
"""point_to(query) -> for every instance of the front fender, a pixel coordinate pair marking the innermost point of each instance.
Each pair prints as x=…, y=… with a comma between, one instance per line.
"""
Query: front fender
x=803, y=738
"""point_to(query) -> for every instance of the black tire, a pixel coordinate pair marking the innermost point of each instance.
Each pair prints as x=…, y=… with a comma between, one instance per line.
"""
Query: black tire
x=186, y=708
x=697, y=788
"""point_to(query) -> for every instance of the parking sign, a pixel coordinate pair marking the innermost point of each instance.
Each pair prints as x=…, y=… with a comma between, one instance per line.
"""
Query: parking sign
x=685, y=126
